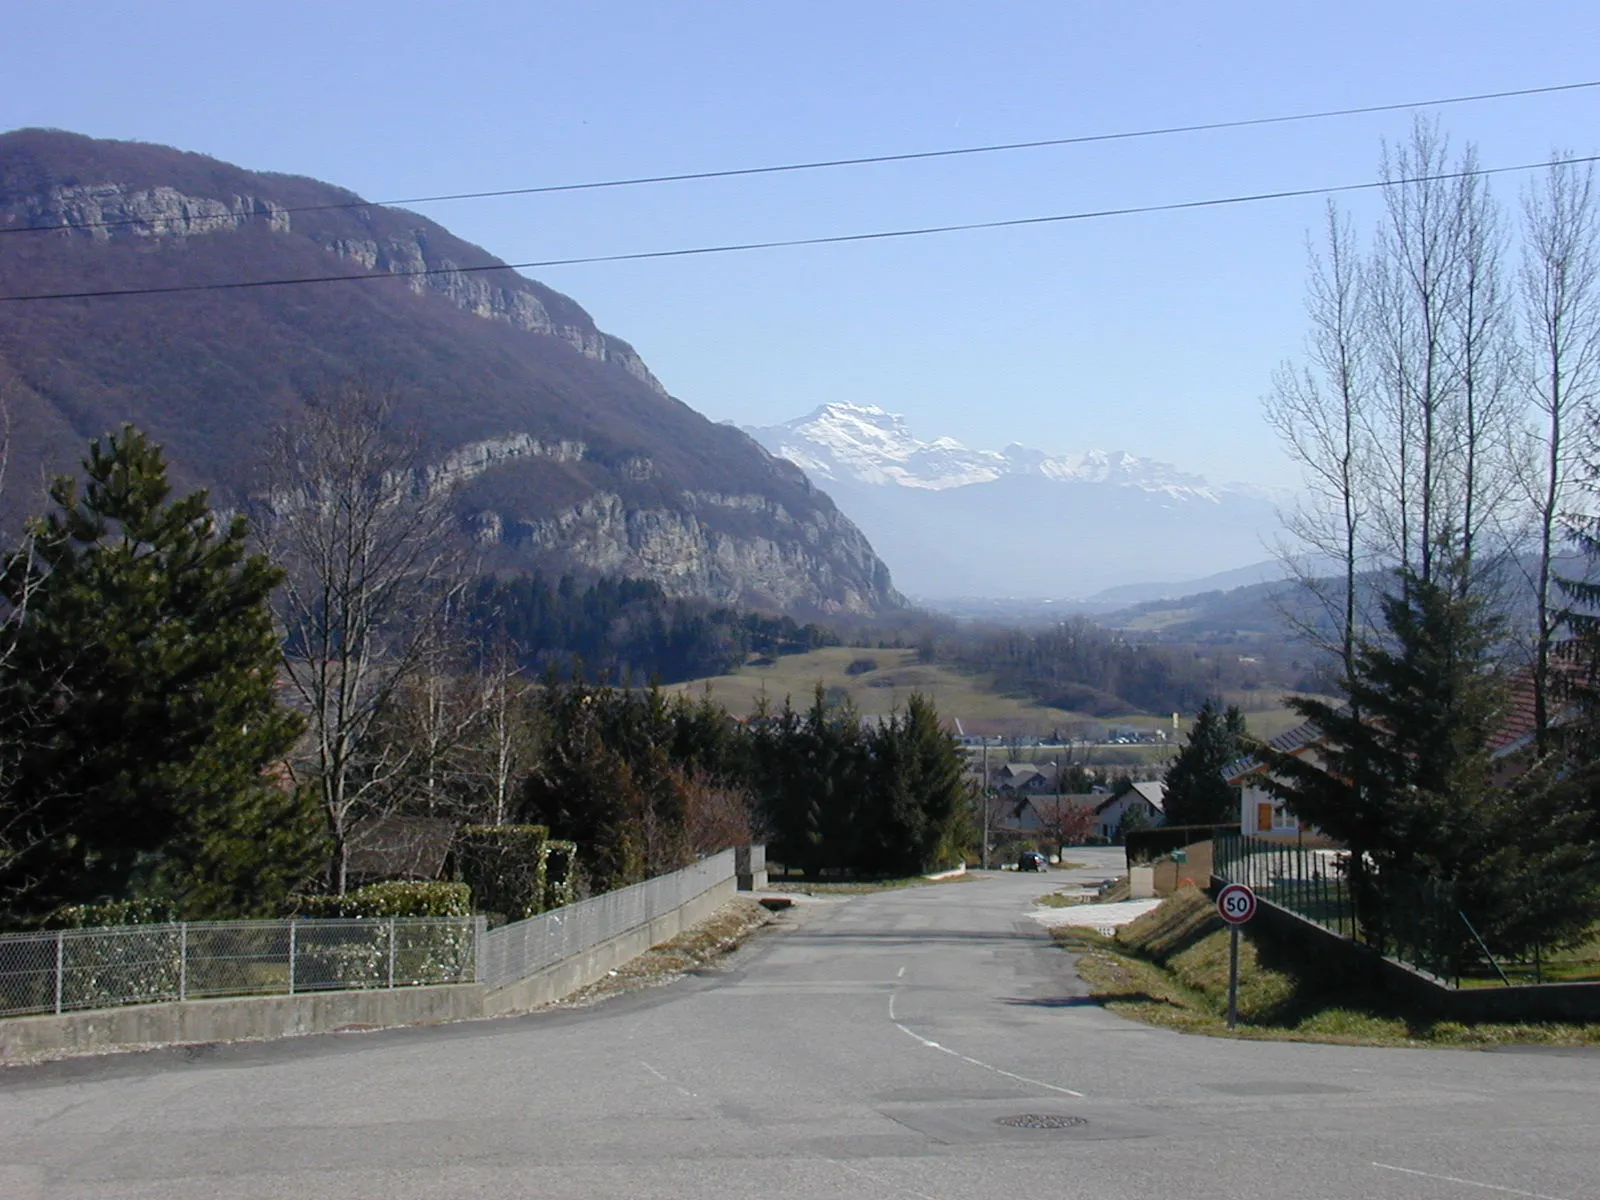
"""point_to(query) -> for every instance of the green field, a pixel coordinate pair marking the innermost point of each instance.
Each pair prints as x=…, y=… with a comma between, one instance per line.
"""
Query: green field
x=896, y=674
x=876, y=692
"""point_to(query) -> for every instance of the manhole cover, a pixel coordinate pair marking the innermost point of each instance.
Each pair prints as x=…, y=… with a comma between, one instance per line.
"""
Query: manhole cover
x=1042, y=1121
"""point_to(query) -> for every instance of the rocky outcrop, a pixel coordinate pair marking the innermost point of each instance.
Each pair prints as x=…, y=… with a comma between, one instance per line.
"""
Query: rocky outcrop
x=474, y=459
x=105, y=210
x=820, y=563
x=476, y=293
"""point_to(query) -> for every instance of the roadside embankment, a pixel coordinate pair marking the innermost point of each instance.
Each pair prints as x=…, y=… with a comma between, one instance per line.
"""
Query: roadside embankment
x=1170, y=968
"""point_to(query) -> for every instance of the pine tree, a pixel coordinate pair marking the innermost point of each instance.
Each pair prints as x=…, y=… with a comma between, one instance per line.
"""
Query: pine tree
x=1197, y=792
x=917, y=803
x=1404, y=781
x=142, y=697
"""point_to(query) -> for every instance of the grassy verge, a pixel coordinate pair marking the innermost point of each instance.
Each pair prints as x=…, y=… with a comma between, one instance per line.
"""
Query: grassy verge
x=1170, y=968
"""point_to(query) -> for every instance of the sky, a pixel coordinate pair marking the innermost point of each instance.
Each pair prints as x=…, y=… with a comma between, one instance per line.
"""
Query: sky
x=1156, y=333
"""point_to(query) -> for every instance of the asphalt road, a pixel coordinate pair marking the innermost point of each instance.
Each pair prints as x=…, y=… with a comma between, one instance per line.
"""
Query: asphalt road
x=874, y=1047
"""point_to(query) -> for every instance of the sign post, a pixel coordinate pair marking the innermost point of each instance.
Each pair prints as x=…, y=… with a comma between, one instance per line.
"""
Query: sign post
x=1236, y=904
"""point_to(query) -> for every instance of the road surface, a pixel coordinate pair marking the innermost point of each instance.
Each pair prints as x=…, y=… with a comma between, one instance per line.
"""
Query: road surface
x=890, y=1045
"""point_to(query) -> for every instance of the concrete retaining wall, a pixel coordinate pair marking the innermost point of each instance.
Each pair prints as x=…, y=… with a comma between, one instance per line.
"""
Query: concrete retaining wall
x=256, y=1018
x=1333, y=952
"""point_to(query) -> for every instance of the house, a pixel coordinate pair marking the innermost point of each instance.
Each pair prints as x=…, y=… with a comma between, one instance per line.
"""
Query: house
x=1263, y=815
x=1041, y=813
x=1147, y=797
x=396, y=847
x=1022, y=777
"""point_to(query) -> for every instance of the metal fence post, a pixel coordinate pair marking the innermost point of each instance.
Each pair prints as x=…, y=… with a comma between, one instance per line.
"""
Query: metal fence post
x=291, y=955
x=59, y=963
x=392, y=934
x=183, y=960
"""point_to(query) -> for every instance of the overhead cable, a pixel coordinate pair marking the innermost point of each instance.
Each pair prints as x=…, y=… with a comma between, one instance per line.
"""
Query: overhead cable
x=825, y=164
x=780, y=243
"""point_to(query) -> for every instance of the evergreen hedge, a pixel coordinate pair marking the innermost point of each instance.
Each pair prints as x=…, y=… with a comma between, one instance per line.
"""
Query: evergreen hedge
x=506, y=868
x=392, y=898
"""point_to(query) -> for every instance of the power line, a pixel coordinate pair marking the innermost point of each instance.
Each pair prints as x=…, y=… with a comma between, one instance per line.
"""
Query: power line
x=824, y=164
x=829, y=240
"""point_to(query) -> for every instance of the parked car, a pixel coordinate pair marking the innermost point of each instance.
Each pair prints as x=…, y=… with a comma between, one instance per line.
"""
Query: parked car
x=1032, y=860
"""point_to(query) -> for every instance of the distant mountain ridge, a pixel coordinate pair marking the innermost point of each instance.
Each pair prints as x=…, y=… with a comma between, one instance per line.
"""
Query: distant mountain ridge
x=569, y=453
x=953, y=521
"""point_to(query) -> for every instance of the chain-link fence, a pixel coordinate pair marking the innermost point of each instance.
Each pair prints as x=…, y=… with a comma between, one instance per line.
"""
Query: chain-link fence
x=515, y=951
x=66, y=969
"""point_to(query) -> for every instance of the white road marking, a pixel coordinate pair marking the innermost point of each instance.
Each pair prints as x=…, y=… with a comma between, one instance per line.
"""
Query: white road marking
x=900, y=974
x=665, y=1080
x=932, y=1045
x=1493, y=1187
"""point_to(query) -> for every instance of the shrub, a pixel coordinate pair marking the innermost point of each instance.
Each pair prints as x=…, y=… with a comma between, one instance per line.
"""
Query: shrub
x=110, y=913
x=561, y=875
x=393, y=898
x=367, y=956
x=505, y=866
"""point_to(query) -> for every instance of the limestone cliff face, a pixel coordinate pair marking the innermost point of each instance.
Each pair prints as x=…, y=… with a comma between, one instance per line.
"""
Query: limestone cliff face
x=105, y=211
x=565, y=451
x=819, y=563
x=816, y=562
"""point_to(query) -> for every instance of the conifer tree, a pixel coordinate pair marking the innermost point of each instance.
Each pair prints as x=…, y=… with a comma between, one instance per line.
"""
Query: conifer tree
x=1405, y=785
x=141, y=695
x=920, y=776
x=1197, y=793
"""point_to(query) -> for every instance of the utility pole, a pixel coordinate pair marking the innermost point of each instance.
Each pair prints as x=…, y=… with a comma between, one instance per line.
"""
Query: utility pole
x=983, y=798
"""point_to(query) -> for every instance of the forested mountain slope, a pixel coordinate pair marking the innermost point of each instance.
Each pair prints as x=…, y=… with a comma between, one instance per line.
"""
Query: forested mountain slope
x=572, y=456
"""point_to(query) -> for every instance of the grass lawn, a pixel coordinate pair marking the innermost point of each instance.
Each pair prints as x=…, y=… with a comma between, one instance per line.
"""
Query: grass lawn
x=1577, y=964
x=1170, y=968
x=876, y=692
x=895, y=674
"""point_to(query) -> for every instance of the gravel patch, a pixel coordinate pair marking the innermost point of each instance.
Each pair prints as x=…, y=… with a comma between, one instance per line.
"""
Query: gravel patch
x=1106, y=918
x=720, y=933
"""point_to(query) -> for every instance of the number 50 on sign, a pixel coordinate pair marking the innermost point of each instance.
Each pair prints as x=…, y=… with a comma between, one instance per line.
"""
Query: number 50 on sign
x=1236, y=904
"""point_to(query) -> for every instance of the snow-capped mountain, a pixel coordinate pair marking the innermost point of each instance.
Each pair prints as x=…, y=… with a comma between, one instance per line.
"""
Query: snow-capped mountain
x=951, y=520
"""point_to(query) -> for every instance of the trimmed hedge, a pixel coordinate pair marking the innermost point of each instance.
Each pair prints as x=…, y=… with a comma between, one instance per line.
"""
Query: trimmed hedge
x=504, y=865
x=112, y=912
x=394, y=898
x=516, y=871
x=560, y=874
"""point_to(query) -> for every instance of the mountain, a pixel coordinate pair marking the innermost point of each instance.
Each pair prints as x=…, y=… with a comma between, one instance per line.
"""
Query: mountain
x=957, y=522
x=570, y=454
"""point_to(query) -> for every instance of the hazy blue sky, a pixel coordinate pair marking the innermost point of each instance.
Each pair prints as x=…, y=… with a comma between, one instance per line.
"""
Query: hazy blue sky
x=1156, y=334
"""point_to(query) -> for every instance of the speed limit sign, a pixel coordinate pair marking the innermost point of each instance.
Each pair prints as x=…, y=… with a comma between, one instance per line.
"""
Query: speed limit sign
x=1236, y=904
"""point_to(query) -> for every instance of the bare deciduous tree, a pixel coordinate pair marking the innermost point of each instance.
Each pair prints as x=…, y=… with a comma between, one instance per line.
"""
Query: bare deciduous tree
x=503, y=749
x=1560, y=292
x=1404, y=415
x=1320, y=411
x=366, y=537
